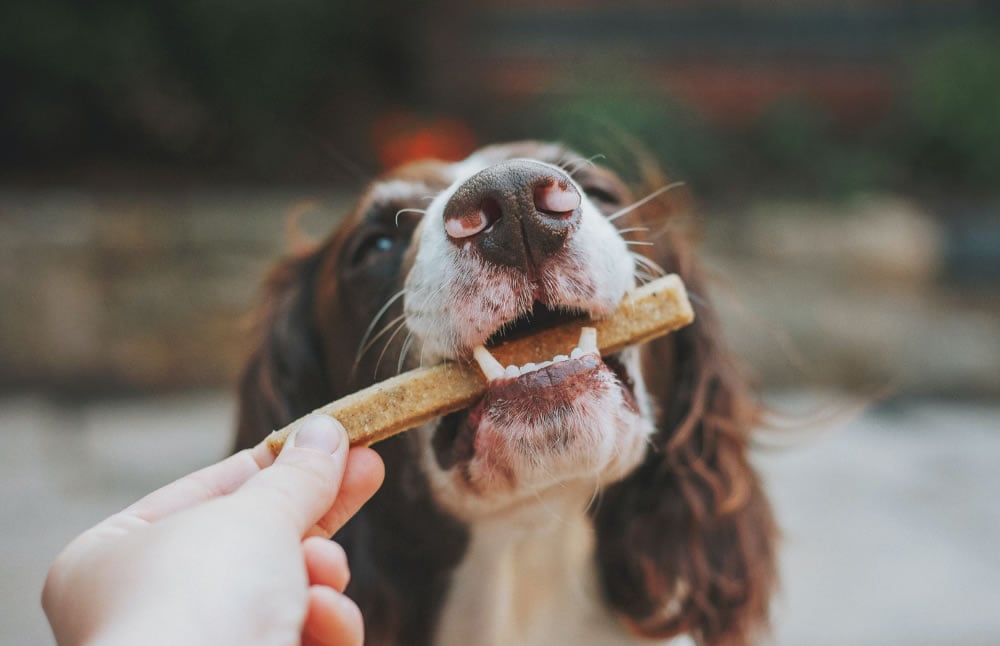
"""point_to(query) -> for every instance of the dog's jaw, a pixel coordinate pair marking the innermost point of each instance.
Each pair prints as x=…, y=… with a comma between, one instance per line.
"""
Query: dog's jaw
x=516, y=444
x=522, y=459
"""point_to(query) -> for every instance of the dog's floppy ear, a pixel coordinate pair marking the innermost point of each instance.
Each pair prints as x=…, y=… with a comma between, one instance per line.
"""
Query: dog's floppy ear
x=284, y=377
x=685, y=542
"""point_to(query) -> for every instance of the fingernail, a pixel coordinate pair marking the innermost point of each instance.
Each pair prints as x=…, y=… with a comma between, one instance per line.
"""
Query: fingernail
x=319, y=432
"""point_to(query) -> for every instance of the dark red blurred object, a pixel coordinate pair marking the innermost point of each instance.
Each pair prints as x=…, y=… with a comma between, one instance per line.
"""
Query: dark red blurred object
x=399, y=137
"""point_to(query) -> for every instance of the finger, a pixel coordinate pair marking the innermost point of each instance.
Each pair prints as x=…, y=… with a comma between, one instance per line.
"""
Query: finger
x=362, y=478
x=211, y=482
x=304, y=480
x=332, y=620
x=326, y=563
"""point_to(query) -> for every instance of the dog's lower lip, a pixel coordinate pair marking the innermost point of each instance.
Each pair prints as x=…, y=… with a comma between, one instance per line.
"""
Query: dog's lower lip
x=495, y=371
x=543, y=378
x=455, y=440
x=551, y=376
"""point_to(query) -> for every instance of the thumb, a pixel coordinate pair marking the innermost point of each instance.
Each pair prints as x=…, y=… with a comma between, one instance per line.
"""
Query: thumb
x=304, y=480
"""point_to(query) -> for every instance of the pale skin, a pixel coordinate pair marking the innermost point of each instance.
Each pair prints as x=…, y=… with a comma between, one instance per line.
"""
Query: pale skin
x=237, y=553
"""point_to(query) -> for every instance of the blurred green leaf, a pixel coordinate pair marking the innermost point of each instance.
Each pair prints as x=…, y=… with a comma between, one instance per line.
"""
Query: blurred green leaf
x=952, y=112
x=610, y=124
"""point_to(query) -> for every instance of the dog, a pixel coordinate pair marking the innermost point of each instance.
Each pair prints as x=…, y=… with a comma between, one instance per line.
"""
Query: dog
x=581, y=501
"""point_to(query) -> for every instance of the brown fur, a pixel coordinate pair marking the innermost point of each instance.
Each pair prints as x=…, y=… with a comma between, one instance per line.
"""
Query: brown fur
x=691, y=518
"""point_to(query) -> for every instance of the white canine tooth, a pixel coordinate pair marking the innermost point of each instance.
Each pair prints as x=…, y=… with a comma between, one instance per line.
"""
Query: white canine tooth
x=511, y=371
x=559, y=357
x=576, y=353
x=492, y=368
x=588, y=340
x=528, y=367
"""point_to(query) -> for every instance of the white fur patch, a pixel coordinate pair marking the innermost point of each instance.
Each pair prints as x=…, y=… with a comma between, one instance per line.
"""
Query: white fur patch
x=529, y=579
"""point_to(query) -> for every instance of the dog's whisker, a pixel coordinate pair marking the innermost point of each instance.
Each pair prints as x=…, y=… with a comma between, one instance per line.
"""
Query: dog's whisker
x=700, y=301
x=401, y=326
x=538, y=463
x=648, y=263
x=652, y=196
x=379, y=314
x=423, y=307
x=631, y=229
x=385, y=329
x=408, y=210
x=407, y=342
x=595, y=496
x=580, y=163
x=640, y=243
x=643, y=277
x=639, y=264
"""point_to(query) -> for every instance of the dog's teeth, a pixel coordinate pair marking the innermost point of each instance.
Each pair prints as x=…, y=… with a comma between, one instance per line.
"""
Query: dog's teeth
x=588, y=340
x=576, y=353
x=492, y=368
x=511, y=371
x=528, y=367
x=544, y=364
x=559, y=357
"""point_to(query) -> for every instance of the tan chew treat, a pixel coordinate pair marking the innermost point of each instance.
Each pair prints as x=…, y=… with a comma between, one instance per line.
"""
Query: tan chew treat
x=420, y=395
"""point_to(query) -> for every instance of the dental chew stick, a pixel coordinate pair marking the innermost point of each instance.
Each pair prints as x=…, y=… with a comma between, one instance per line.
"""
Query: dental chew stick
x=418, y=396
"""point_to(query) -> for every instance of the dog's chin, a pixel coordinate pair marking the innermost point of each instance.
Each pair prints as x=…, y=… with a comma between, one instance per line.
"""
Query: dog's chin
x=574, y=425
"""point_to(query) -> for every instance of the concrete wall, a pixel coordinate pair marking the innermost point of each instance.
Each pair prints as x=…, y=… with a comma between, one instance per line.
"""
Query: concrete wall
x=146, y=291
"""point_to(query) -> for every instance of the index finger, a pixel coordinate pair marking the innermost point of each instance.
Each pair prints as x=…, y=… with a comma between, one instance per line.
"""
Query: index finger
x=205, y=484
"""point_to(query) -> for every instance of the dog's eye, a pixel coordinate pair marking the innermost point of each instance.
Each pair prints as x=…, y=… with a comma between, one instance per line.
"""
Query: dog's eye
x=372, y=246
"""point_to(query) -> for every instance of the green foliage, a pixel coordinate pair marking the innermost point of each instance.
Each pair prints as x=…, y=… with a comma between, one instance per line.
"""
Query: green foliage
x=147, y=75
x=952, y=112
x=245, y=82
x=617, y=127
x=797, y=141
x=791, y=135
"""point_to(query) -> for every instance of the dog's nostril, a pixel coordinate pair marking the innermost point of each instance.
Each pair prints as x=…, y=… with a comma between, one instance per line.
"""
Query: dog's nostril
x=468, y=223
x=556, y=198
x=516, y=213
x=465, y=225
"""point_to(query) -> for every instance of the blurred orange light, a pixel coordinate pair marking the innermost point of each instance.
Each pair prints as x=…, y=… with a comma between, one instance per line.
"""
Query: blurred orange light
x=400, y=137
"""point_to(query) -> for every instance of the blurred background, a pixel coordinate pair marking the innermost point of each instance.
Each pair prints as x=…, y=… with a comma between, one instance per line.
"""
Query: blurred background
x=843, y=158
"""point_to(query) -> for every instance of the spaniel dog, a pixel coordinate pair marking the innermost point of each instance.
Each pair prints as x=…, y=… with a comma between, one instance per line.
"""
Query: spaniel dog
x=581, y=501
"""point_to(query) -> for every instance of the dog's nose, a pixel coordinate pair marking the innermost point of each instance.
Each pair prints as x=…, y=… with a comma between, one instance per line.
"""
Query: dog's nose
x=516, y=213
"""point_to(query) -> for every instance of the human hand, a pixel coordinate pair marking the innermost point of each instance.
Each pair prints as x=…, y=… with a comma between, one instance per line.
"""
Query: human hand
x=237, y=553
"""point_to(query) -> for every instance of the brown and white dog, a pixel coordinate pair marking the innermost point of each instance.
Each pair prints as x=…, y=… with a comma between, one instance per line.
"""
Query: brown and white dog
x=581, y=501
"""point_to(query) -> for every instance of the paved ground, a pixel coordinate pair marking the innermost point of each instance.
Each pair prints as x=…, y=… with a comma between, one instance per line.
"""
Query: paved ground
x=891, y=519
